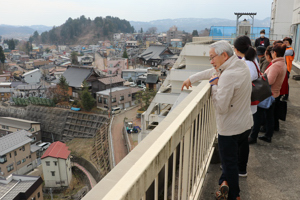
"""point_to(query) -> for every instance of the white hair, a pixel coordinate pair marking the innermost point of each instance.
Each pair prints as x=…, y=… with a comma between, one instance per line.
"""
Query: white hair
x=222, y=46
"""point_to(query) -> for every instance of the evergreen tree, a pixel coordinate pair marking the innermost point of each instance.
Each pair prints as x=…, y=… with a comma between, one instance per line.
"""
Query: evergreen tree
x=87, y=101
x=11, y=44
x=125, y=54
x=2, y=56
x=64, y=88
x=74, y=58
x=195, y=33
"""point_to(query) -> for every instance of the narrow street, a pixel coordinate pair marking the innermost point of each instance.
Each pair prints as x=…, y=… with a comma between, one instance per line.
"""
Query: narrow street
x=120, y=149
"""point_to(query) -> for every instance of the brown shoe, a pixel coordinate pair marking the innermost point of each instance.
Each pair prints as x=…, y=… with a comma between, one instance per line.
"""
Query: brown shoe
x=222, y=194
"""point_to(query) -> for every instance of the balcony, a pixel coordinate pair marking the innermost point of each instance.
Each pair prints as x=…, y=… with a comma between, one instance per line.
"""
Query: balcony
x=172, y=160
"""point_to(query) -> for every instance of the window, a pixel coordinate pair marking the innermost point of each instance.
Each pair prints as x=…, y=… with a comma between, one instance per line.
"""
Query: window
x=3, y=126
x=3, y=159
x=113, y=100
x=19, y=162
x=121, y=98
x=33, y=198
x=15, y=153
x=47, y=163
x=55, y=163
x=39, y=194
x=7, y=127
x=29, y=156
x=23, y=148
x=33, y=139
x=10, y=155
x=2, y=94
x=100, y=99
x=105, y=100
x=10, y=167
x=53, y=173
x=129, y=95
x=23, y=160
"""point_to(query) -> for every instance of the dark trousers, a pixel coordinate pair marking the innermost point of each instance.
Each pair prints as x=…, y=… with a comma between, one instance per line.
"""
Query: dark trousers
x=234, y=152
x=287, y=95
x=276, y=113
x=258, y=118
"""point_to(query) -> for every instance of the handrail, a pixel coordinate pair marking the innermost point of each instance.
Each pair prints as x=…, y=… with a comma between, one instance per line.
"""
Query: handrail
x=175, y=155
x=112, y=153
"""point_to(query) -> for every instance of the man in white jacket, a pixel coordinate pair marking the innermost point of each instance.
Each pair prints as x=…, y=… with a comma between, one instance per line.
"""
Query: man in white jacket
x=231, y=95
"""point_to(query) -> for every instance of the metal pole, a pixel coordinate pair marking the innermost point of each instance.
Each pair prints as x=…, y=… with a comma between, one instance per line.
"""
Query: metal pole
x=51, y=194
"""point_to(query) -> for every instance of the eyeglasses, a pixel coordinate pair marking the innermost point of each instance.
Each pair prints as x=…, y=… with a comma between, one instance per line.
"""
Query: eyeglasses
x=213, y=57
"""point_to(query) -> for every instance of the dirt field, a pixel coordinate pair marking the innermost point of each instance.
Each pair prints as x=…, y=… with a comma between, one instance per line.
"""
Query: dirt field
x=81, y=147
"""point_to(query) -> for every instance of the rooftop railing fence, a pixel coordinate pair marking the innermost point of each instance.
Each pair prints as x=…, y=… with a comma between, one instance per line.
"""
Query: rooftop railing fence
x=172, y=161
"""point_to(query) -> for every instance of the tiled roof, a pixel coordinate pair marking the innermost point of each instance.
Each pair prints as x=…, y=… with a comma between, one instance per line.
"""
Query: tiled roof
x=57, y=150
x=13, y=186
x=153, y=52
x=30, y=72
x=13, y=141
x=76, y=75
x=152, y=78
x=114, y=79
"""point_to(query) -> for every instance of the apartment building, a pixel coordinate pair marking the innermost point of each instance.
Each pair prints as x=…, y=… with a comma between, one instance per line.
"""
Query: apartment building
x=11, y=125
x=17, y=154
x=21, y=187
x=57, y=165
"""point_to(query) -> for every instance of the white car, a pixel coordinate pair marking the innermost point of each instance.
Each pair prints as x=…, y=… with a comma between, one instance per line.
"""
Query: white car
x=44, y=145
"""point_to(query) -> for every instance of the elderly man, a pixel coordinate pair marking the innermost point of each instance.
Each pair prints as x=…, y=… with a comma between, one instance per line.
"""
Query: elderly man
x=231, y=96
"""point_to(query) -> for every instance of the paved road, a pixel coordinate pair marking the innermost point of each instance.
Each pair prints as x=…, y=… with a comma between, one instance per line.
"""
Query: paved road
x=273, y=169
x=120, y=149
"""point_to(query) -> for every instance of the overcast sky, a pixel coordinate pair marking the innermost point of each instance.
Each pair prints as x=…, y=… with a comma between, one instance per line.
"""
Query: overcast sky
x=56, y=12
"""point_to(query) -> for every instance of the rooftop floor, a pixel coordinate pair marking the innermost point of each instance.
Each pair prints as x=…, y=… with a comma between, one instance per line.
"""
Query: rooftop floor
x=273, y=168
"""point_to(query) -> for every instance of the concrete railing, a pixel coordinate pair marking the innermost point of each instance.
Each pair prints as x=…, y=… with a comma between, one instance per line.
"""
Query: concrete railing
x=172, y=161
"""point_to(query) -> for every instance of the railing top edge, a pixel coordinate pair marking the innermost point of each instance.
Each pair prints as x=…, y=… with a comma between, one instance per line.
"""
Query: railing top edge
x=127, y=172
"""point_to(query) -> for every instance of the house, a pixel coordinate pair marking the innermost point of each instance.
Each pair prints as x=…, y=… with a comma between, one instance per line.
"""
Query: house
x=17, y=154
x=29, y=65
x=117, y=62
x=151, y=81
x=40, y=62
x=20, y=187
x=57, y=165
x=154, y=55
x=131, y=44
x=5, y=93
x=104, y=83
x=24, y=58
x=133, y=74
x=86, y=60
x=176, y=43
x=32, y=77
x=7, y=76
x=75, y=75
x=10, y=125
x=122, y=97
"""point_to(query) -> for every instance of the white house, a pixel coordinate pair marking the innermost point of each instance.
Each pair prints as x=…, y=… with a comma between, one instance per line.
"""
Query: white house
x=32, y=77
x=57, y=165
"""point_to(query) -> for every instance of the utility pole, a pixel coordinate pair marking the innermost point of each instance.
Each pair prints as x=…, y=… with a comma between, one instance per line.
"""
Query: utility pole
x=110, y=97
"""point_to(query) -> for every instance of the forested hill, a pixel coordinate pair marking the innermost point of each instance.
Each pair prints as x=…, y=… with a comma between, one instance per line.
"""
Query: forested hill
x=84, y=31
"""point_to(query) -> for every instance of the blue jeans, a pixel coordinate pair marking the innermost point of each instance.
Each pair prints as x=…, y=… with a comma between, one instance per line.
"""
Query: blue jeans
x=234, y=152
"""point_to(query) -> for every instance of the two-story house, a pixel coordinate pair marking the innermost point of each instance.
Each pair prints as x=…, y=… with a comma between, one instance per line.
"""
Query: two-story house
x=105, y=83
x=17, y=154
x=57, y=165
x=10, y=125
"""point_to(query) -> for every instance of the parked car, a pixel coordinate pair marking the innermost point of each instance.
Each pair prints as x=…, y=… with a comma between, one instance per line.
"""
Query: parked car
x=44, y=145
x=115, y=110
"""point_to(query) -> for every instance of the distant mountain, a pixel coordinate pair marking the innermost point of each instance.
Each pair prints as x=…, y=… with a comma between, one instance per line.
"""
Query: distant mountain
x=8, y=31
x=190, y=24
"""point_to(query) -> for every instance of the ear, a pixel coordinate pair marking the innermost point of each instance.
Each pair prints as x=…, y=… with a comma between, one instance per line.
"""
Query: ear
x=225, y=56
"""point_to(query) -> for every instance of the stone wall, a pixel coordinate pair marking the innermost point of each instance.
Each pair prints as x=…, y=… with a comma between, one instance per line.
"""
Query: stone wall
x=57, y=124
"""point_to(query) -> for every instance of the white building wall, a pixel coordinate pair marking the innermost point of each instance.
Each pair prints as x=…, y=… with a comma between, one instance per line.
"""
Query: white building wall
x=33, y=78
x=63, y=172
x=281, y=18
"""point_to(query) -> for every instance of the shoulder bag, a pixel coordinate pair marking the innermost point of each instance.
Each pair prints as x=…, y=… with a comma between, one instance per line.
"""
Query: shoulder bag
x=260, y=88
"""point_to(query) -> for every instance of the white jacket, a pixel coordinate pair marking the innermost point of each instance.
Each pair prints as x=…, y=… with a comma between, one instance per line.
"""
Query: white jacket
x=231, y=97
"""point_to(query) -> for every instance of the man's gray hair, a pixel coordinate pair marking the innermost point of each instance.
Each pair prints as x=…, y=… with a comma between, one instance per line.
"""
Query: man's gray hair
x=222, y=46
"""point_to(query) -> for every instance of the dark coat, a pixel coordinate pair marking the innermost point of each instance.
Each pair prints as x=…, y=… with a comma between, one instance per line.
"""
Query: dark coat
x=266, y=42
